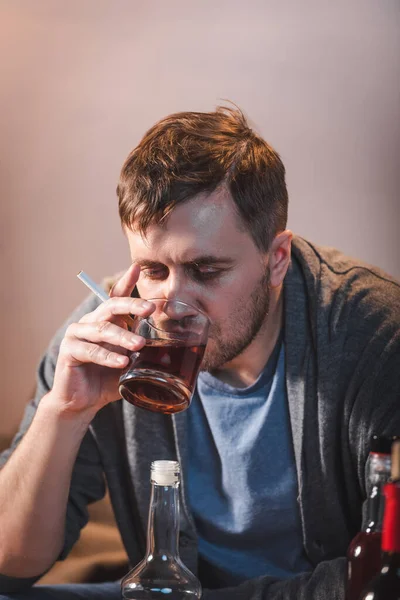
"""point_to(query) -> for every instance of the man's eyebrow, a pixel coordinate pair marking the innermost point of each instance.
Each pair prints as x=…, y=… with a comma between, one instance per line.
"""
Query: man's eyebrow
x=207, y=259
x=147, y=263
x=210, y=259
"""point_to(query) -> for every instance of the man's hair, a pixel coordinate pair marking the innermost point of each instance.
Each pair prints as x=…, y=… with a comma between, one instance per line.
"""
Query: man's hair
x=193, y=153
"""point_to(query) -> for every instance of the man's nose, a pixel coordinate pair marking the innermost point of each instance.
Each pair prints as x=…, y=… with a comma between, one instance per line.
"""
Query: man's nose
x=179, y=310
x=177, y=287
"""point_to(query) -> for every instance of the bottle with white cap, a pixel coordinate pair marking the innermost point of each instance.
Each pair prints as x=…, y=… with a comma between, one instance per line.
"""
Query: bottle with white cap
x=161, y=574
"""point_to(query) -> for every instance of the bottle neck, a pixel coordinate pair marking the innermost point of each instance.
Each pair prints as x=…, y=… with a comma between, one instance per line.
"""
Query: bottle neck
x=375, y=509
x=379, y=473
x=391, y=522
x=163, y=524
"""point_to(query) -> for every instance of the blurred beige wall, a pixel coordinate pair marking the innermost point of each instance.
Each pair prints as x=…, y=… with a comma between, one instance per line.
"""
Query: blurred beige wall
x=81, y=81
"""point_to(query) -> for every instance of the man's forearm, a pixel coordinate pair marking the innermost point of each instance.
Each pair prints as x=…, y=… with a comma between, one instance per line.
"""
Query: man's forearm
x=34, y=487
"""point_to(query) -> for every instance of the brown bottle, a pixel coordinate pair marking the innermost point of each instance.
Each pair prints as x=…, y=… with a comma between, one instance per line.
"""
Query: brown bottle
x=364, y=552
x=386, y=585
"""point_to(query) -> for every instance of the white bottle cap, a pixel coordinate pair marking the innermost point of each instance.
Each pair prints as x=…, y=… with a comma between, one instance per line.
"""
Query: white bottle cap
x=165, y=472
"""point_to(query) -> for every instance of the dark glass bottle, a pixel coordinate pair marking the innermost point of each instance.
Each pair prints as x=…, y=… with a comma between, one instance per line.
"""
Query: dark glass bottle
x=386, y=585
x=364, y=552
x=161, y=574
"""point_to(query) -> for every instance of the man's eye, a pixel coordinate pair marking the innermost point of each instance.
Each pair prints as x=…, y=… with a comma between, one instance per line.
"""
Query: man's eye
x=154, y=273
x=206, y=273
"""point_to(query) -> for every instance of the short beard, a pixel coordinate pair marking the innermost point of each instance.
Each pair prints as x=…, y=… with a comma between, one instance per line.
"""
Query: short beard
x=245, y=324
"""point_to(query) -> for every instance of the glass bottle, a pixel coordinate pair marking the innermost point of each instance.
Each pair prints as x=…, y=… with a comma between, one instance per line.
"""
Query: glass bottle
x=386, y=585
x=161, y=574
x=364, y=552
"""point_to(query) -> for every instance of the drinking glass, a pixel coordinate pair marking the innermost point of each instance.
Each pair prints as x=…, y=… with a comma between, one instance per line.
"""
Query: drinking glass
x=161, y=376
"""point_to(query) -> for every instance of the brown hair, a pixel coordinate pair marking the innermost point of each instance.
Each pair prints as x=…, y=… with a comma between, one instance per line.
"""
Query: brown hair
x=190, y=153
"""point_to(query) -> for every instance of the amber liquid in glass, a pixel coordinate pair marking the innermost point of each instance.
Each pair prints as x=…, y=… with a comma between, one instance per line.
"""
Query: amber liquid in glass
x=161, y=377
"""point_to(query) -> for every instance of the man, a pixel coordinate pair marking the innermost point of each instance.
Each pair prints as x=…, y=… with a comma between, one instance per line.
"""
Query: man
x=301, y=368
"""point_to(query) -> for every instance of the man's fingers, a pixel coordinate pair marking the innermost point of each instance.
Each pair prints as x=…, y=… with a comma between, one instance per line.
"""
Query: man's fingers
x=79, y=352
x=105, y=332
x=125, y=285
x=116, y=307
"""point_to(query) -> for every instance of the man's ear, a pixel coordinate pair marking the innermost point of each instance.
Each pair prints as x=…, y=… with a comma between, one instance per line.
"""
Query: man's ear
x=279, y=257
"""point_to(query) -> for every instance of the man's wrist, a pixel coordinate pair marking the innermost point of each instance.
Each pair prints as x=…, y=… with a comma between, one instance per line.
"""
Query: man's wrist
x=51, y=408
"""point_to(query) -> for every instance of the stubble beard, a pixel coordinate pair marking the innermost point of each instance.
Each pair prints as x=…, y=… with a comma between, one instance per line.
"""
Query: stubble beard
x=244, y=324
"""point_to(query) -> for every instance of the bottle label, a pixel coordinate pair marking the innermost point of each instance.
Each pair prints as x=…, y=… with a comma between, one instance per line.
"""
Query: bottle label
x=391, y=523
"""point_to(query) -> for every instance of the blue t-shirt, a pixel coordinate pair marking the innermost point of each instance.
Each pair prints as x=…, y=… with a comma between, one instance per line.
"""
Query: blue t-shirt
x=242, y=479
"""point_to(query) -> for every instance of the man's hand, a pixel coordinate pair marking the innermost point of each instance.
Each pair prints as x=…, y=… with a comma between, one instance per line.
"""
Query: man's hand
x=94, y=351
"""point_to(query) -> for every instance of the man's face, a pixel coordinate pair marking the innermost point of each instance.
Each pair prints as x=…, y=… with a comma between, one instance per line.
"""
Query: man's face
x=203, y=257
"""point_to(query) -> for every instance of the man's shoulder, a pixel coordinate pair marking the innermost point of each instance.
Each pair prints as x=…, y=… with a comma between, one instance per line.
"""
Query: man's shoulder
x=347, y=289
x=336, y=261
x=329, y=266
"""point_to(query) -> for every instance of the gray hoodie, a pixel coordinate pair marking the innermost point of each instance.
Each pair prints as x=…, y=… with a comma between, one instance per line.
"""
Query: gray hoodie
x=342, y=340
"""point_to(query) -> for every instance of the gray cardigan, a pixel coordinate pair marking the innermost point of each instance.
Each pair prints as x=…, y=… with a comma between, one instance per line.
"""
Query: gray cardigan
x=342, y=341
